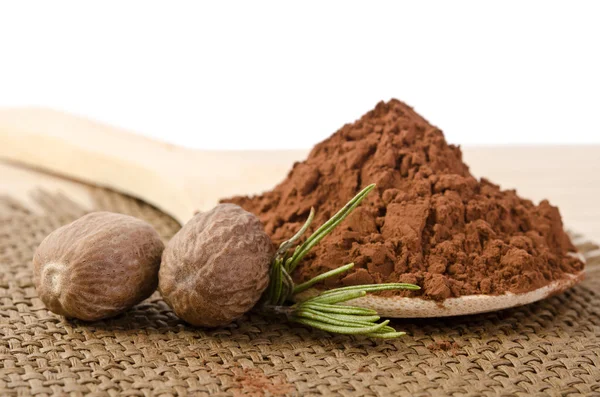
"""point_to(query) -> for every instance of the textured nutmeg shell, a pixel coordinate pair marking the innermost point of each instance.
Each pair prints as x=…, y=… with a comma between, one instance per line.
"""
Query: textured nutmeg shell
x=216, y=267
x=98, y=266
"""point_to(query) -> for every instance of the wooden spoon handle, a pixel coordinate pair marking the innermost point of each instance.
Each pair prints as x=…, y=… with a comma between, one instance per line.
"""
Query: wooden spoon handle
x=94, y=153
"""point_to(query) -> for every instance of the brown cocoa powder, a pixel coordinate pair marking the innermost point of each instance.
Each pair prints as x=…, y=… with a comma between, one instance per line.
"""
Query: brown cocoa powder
x=428, y=222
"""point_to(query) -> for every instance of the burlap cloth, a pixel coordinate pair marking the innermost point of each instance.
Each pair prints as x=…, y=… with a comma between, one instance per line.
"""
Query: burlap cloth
x=550, y=348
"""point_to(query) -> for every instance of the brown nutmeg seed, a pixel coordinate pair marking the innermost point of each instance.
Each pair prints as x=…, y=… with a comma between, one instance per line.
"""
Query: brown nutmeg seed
x=98, y=266
x=216, y=267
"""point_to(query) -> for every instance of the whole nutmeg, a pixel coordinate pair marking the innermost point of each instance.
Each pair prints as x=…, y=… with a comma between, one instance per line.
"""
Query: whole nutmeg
x=98, y=266
x=216, y=267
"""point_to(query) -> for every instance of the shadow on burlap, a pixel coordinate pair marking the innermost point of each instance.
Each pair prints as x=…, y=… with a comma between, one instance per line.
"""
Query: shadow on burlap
x=548, y=348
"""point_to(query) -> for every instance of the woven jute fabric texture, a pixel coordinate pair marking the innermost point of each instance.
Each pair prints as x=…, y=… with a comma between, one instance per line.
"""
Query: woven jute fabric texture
x=550, y=348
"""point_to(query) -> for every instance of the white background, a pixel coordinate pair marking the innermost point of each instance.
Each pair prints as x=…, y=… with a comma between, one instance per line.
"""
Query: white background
x=246, y=75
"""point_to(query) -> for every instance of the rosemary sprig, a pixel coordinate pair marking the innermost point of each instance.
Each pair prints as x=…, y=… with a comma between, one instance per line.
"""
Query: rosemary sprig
x=325, y=311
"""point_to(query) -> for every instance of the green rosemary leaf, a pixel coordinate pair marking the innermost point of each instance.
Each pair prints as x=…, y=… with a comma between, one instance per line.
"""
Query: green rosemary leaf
x=330, y=320
x=288, y=285
x=340, y=329
x=321, y=277
x=272, y=284
x=286, y=245
x=386, y=329
x=363, y=320
x=328, y=226
x=288, y=262
x=323, y=312
x=327, y=308
x=371, y=288
x=339, y=297
x=277, y=282
x=343, y=317
x=387, y=335
x=347, y=320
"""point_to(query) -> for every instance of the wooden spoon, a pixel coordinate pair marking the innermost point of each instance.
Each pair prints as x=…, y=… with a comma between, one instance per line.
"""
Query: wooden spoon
x=176, y=180
x=401, y=307
x=181, y=182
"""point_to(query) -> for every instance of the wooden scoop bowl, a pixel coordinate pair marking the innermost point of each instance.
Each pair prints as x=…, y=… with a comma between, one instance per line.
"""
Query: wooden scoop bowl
x=181, y=182
x=401, y=307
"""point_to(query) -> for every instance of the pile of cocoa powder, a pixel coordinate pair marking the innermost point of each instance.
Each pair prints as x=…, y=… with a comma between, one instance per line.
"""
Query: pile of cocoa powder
x=429, y=221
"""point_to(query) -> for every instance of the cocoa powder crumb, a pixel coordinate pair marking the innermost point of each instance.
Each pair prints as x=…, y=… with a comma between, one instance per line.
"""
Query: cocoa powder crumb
x=429, y=221
x=444, y=346
x=253, y=382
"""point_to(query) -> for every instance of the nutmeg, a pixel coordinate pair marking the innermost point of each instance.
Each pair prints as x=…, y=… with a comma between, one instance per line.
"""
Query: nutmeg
x=216, y=267
x=97, y=266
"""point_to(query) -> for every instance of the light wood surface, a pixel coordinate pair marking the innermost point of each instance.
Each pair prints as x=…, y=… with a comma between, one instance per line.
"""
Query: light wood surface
x=568, y=176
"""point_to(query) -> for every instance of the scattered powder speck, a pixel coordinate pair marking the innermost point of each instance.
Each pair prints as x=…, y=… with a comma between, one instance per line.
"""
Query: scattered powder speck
x=444, y=346
x=254, y=383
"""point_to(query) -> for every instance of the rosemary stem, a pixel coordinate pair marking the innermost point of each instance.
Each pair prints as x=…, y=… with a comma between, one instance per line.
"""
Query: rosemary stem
x=361, y=320
x=371, y=288
x=340, y=329
x=306, y=285
x=338, y=298
x=286, y=245
x=340, y=309
x=325, y=311
x=328, y=226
